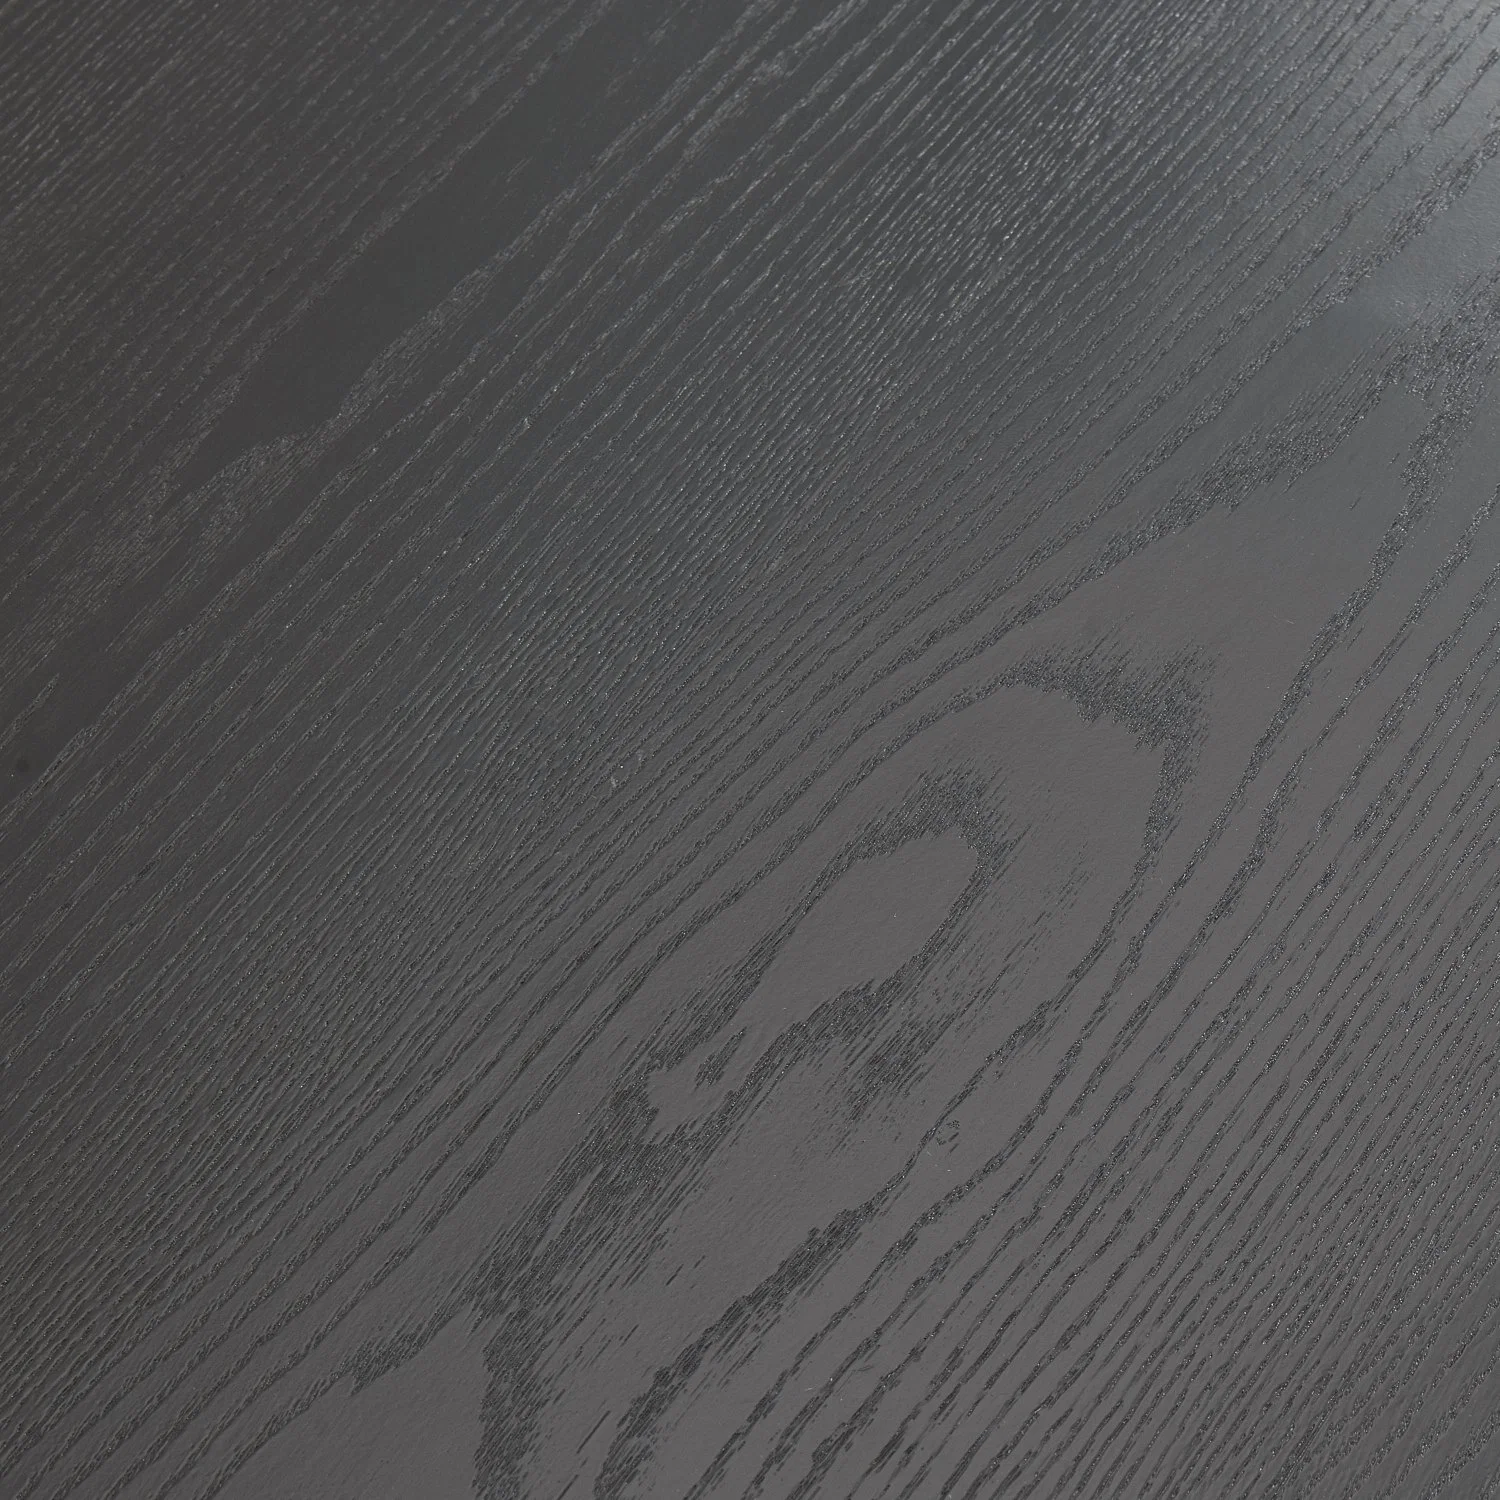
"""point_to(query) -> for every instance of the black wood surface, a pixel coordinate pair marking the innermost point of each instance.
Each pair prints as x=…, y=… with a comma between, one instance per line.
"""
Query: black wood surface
x=751, y=750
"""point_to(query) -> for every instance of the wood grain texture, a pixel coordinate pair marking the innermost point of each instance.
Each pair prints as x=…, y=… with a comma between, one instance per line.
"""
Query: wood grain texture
x=750, y=750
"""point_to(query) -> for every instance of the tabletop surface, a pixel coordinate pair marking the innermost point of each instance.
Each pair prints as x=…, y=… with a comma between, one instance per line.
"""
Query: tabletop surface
x=749, y=750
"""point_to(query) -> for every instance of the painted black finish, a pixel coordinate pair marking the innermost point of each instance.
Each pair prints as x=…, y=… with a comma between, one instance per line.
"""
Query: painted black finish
x=751, y=750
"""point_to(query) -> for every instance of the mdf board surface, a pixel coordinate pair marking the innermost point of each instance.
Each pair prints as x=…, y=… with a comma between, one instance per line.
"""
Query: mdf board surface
x=749, y=750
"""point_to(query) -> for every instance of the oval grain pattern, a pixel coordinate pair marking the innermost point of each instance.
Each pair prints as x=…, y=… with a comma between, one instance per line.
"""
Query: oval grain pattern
x=750, y=751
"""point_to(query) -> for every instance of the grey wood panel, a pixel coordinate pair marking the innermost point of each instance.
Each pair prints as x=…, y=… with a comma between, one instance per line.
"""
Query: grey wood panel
x=750, y=750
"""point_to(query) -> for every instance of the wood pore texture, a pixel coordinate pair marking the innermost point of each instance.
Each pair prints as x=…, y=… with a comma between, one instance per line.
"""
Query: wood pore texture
x=750, y=750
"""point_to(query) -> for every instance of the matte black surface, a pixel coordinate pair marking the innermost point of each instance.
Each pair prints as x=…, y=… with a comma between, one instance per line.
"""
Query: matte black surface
x=751, y=750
